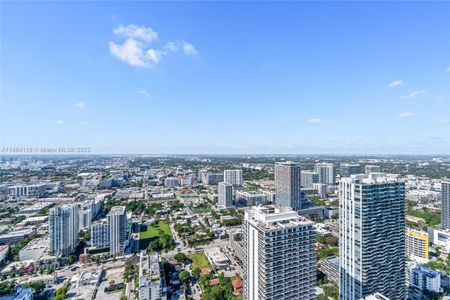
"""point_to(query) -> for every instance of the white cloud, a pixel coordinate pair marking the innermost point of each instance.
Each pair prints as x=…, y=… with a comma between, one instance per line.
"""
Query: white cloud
x=144, y=93
x=414, y=94
x=319, y=121
x=154, y=55
x=405, y=115
x=142, y=33
x=138, y=50
x=59, y=121
x=395, y=83
x=443, y=122
x=80, y=104
x=172, y=46
x=130, y=52
x=189, y=49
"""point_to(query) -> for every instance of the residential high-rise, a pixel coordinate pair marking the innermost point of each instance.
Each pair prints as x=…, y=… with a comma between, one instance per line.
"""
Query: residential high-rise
x=445, y=207
x=63, y=229
x=225, y=195
x=279, y=254
x=100, y=234
x=371, y=237
x=327, y=173
x=350, y=169
x=308, y=178
x=85, y=217
x=417, y=245
x=288, y=185
x=117, y=220
x=233, y=177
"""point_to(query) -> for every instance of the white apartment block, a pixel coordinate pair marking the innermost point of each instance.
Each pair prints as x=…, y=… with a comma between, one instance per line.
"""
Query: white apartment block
x=371, y=237
x=233, y=177
x=417, y=245
x=117, y=220
x=225, y=194
x=368, y=169
x=425, y=279
x=100, y=234
x=171, y=182
x=151, y=278
x=63, y=229
x=279, y=254
x=251, y=198
x=309, y=178
x=327, y=173
x=288, y=185
x=445, y=207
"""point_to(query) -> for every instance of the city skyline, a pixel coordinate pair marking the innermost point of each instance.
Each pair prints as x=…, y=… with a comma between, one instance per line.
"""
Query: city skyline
x=325, y=78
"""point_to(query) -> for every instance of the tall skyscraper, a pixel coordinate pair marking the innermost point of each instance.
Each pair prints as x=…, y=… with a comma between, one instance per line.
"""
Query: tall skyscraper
x=117, y=220
x=288, y=184
x=63, y=229
x=350, y=169
x=233, y=177
x=279, y=254
x=372, y=237
x=327, y=173
x=445, y=200
x=225, y=194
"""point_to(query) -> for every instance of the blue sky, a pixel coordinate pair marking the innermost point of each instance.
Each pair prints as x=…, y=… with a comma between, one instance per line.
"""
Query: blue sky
x=224, y=77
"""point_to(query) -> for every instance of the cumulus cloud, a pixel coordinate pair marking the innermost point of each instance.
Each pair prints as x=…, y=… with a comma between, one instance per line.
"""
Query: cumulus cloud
x=138, y=50
x=443, y=122
x=318, y=121
x=142, y=33
x=189, y=49
x=172, y=46
x=405, y=115
x=144, y=93
x=414, y=94
x=80, y=105
x=130, y=52
x=395, y=83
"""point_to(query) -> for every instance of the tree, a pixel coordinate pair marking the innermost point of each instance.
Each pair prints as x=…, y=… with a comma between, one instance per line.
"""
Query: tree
x=6, y=287
x=184, y=276
x=37, y=285
x=196, y=273
x=154, y=246
x=180, y=257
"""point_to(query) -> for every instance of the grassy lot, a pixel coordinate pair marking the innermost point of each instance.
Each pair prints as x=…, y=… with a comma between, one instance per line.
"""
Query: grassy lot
x=200, y=261
x=154, y=230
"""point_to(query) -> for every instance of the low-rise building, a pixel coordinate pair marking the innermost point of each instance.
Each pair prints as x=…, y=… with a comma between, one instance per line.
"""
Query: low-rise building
x=330, y=267
x=441, y=238
x=217, y=258
x=151, y=278
x=425, y=279
x=16, y=236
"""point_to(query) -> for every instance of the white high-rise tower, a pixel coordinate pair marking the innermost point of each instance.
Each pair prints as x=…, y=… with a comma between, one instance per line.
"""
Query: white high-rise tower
x=279, y=254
